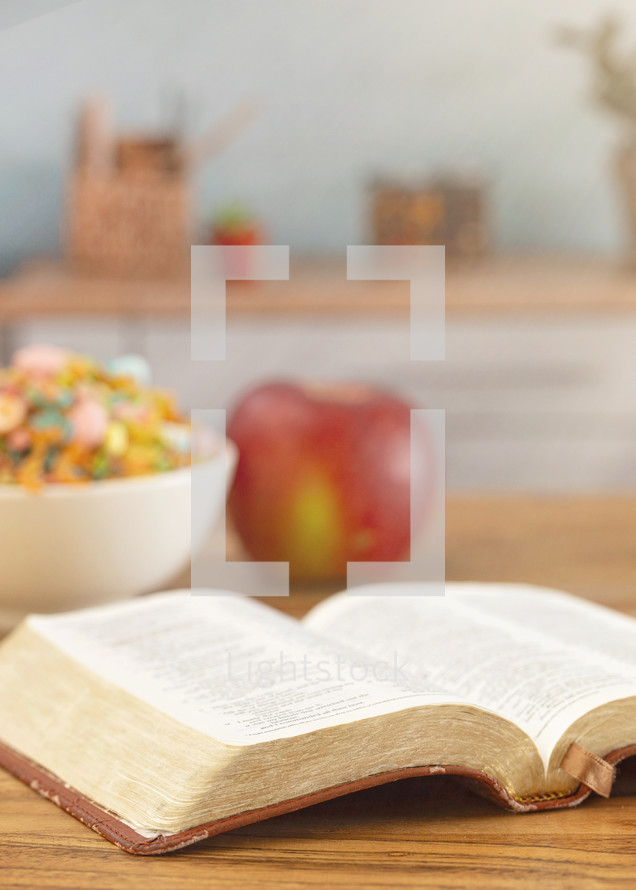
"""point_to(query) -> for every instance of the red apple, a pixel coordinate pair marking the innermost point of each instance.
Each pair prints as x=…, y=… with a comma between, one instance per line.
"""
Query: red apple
x=323, y=476
x=248, y=236
x=235, y=227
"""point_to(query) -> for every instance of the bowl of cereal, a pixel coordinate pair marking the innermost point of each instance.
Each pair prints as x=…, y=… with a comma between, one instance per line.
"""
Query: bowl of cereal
x=96, y=475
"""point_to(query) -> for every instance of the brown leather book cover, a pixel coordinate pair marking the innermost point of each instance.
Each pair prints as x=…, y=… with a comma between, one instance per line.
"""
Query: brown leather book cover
x=113, y=829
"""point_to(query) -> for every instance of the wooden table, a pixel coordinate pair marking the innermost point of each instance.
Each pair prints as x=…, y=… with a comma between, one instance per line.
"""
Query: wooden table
x=421, y=833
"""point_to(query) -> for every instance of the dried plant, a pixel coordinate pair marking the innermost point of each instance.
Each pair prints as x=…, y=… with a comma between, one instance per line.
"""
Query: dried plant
x=615, y=69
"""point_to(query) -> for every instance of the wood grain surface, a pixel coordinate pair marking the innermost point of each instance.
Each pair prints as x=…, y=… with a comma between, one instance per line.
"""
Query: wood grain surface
x=420, y=833
x=550, y=284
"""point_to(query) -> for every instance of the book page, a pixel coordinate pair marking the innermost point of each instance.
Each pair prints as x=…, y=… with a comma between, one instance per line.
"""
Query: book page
x=231, y=667
x=514, y=655
x=602, y=633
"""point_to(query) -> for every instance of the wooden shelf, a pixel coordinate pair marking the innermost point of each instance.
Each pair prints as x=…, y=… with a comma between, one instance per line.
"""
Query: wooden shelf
x=512, y=285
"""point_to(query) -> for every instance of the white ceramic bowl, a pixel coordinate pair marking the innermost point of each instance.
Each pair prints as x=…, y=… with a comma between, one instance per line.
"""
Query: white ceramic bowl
x=72, y=546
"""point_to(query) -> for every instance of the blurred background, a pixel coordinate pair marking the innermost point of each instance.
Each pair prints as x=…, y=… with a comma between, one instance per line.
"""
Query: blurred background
x=134, y=128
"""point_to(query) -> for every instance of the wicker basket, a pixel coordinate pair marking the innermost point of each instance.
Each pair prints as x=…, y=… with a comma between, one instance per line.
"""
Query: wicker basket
x=129, y=225
x=129, y=200
x=452, y=213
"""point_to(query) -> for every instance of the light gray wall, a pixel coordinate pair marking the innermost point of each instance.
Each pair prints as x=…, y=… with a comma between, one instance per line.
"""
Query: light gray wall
x=349, y=88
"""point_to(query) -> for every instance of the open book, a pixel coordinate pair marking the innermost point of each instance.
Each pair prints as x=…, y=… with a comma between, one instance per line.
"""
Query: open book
x=167, y=719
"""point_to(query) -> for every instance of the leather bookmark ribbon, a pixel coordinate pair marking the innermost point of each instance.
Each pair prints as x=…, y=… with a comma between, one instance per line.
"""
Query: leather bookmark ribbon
x=588, y=768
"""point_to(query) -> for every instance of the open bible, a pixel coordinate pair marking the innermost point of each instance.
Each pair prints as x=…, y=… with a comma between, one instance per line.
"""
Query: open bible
x=170, y=718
